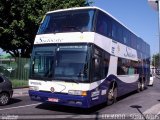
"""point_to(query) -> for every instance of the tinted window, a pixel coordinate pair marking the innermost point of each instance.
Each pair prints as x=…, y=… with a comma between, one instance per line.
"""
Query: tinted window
x=139, y=44
x=120, y=33
x=133, y=41
x=147, y=51
x=63, y=62
x=67, y=21
x=105, y=64
x=114, y=31
x=1, y=79
x=127, y=67
x=71, y=65
x=43, y=66
x=126, y=37
x=103, y=24
x=97, y=65
x=143, y=47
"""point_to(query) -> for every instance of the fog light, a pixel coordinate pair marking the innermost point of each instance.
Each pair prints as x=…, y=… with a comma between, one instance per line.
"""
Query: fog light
x=79, y=103
x=77, y=92
x=35, y=88
x=71, y=102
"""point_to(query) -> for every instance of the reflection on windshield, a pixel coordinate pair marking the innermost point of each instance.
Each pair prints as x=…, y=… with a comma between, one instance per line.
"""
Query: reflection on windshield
x=67, y=63
x=42, y=65
x=70, y=65
x=67, y=21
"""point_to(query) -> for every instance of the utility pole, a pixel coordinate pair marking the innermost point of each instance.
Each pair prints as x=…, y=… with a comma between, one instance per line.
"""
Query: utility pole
x=155, y=4
x=158, y=5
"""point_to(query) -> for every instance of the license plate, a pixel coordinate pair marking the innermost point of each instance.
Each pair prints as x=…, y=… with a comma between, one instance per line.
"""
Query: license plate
x=53, y=99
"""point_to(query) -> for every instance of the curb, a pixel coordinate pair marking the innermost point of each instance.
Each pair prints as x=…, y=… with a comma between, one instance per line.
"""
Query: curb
x=20, y=92
x=21, y=87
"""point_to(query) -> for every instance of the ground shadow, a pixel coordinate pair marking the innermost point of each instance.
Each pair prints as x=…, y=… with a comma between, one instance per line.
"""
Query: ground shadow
x=68, y=109
x=75, y=110
x=129, y=94
x=14, y=100
x=138, y=109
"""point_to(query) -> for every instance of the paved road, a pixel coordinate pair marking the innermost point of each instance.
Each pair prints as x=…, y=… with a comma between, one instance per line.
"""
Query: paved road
x=134, y=106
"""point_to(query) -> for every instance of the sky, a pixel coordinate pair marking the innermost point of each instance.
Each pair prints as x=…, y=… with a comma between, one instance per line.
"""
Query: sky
x=137, y=15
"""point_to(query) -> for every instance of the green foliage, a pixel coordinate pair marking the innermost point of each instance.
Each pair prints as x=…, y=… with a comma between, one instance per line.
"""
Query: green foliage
x=19, y=21
x=19, y=83
x=155, y=60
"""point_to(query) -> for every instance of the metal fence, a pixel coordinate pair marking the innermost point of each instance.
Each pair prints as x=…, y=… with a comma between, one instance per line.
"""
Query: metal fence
x=16, y=69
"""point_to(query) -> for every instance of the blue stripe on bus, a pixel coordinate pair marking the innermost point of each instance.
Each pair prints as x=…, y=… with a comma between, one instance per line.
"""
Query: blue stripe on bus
x=63, y=99
x=94, y=97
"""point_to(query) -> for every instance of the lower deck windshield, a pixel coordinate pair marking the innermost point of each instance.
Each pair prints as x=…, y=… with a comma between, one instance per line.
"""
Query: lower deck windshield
x=60, y=62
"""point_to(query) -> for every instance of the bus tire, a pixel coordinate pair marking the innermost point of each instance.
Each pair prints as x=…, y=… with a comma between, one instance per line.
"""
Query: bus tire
x=138, y=86
x=142, y=85
x=111, y=95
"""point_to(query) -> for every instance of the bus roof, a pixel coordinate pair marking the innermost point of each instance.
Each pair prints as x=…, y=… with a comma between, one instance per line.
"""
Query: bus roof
x=97, y=8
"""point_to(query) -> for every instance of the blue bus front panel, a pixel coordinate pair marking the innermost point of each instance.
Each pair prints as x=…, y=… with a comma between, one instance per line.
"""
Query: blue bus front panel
x=94, y=97
x=61, y=99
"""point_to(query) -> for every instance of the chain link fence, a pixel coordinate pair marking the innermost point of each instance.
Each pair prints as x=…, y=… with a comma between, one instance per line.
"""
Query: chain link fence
x=16, y=69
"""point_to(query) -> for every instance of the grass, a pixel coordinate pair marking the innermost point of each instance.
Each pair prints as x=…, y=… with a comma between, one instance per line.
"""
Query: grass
x=19, y=83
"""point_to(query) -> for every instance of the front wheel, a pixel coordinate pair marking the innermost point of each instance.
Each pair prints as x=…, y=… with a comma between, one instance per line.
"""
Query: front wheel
x=4, y=98
x=111, y=96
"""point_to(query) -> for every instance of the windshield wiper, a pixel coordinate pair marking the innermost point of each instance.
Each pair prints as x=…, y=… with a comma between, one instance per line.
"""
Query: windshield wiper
x=75, y=81
x=73, y=27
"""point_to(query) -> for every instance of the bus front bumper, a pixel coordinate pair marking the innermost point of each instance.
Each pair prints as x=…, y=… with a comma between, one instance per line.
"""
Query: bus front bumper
x=60, y=98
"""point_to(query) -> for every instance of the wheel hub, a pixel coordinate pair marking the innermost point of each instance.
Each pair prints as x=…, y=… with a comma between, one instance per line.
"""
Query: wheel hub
x=4, y=99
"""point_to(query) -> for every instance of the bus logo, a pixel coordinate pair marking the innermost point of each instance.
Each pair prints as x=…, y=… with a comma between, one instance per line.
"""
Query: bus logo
x=52, y=89
x=113, y=50
x=129, y=53
x=48, y=40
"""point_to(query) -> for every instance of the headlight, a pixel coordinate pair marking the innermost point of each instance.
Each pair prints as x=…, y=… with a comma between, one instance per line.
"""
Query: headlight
x=35, y=88
x=77, y=92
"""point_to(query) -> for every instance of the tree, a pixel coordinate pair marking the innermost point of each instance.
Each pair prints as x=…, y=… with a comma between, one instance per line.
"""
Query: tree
x=155, y=60
x=20, y=19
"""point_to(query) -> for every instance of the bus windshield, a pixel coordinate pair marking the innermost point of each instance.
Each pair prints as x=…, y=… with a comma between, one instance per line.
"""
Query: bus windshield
x=66, y=63
x=67, y=21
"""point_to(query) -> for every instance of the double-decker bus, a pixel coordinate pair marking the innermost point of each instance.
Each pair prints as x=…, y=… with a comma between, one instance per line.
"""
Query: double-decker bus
x=83, y=57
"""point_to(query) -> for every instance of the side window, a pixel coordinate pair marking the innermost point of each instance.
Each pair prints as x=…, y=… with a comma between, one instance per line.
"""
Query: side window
x=97, y=63
x=117, y=32
x=135, y=66
x=103, y=24
x=120, y=34
x=144, y=47
x=1, y=79
x=127, y=67
x=122, y=67
x=139, y=53
x=114, y=31
x=106, y=64
x=139, y=44
x=126, y=37
x=133, y=41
